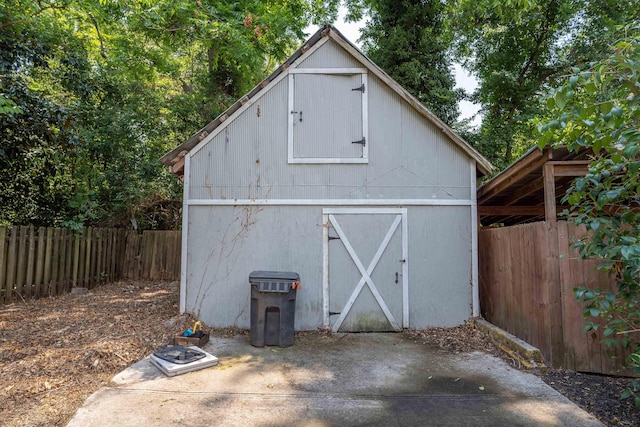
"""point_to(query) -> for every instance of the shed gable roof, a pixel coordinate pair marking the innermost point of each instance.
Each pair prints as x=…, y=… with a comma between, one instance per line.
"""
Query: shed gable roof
x=175, y=158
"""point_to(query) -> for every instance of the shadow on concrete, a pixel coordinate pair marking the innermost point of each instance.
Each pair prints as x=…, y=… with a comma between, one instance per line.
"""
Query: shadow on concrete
x=335, y=380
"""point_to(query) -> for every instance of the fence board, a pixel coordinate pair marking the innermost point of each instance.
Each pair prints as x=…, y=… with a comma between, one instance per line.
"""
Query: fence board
x=69, y=262
x=21, y=267
x=31, y=254
x=11, y=264
x=55, y=262
x=3, y=263
x=39, y=276
x=87, y=258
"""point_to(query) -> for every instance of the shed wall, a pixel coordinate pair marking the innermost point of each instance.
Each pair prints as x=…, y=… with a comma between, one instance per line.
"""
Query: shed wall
x=440, y=289
x=226, y=243
x=408, y=157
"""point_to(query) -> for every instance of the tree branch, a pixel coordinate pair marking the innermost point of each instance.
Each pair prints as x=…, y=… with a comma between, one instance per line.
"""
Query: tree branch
x=36, y=13
x=95, y=24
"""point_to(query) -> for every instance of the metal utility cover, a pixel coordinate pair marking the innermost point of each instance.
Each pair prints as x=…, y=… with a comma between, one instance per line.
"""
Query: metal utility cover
x=172, y=369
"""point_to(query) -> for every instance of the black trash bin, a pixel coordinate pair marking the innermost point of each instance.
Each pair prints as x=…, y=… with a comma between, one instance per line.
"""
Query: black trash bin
x=273, y=307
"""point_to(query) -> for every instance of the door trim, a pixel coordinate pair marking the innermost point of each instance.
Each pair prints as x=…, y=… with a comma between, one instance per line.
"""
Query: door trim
x=328, y=220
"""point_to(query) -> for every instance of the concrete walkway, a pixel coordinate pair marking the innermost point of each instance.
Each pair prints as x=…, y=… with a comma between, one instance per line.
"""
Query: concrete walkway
x=337, y=380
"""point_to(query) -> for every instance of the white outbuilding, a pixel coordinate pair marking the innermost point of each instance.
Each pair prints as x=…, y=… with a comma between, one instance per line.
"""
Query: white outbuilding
x=330, y=169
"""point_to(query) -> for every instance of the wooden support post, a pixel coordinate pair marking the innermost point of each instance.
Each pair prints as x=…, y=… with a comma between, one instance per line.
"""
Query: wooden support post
x=554, y=286
x=549, y=192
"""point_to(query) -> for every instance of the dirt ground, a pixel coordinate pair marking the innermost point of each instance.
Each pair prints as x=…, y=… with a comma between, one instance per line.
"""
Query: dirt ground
x=55, y=352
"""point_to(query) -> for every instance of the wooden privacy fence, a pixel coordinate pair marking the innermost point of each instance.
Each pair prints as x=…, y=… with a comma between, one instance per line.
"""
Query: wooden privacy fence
x=153, y=255
x=40, y=262
x=527, y=274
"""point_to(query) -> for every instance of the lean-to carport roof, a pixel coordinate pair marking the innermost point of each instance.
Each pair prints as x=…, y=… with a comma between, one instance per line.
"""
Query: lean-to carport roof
x=531, y=188
x=175, y=158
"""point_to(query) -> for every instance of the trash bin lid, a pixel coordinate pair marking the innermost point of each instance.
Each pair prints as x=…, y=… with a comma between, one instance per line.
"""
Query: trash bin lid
x=260, y=275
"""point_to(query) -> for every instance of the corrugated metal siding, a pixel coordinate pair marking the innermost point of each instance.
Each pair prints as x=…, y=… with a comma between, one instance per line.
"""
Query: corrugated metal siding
x=439, y=266
x=408, y=157
x=330, y=55
x=227, y=243
x=245, y=158
x=443, y=169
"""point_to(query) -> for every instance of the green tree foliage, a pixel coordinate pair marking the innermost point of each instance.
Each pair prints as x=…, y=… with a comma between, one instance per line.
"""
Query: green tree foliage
x=93, y=92
x=599, y=108
x=518, y=49
x=406, y=39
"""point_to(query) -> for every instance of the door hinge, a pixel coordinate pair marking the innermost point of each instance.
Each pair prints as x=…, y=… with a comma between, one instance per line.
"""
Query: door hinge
x=333, y=238
x=333, y=313
x=361, y=88
x=362, y=141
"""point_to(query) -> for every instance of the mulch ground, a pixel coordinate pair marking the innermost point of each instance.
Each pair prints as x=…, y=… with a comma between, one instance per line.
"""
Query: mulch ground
x=56, y=352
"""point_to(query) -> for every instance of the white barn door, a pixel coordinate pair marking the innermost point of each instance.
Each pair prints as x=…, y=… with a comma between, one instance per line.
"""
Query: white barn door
x=366, y=269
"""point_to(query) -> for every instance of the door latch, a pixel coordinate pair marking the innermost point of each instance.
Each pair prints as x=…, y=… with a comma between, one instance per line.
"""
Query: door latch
x=396, y=277
x=298, y=112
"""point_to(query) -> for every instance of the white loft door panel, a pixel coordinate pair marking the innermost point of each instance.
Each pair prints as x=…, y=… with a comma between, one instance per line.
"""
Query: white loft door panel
x=327, y=116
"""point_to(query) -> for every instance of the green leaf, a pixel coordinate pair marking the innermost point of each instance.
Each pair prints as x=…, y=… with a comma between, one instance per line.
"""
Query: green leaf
x=594, y=312
x=626, y=394
x=560, y=100
x=616, y=111
x=606, y=107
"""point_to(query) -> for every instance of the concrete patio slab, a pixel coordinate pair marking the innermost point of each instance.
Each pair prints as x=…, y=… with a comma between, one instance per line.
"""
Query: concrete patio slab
x=333, y=380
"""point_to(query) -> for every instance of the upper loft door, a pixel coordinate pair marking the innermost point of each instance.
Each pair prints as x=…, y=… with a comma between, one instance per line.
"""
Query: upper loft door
x=327, y=117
